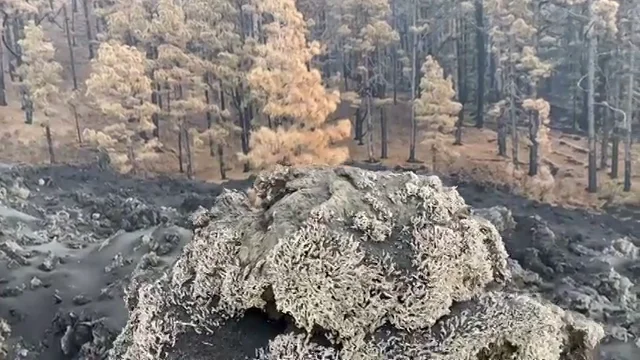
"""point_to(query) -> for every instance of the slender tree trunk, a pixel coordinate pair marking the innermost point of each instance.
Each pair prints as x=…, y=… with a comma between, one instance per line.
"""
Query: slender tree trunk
x=494, y=90
x=591, y=67
x=74, y=10
x=223, y=105
x=394, y=54
x=603, y=113
x=369, y=89
x=74, y=75
x=207, y=95
x=345, y=71
x=434, y=158
x=574, y=112
x=52, y=157
x=86, y=5
x=27, y=106
x=629, y=113
x=384, y=134
x=180, y=148
x=189, y=158
x=359, y=128
x=414, y=60
x=502, y=136
x=615, y=142
x=97, y=19
x=132, y=159
x=482, y=56
x=460, y=46
x=77, y=122
x=513, y=118
x=247, y=133
x=9, y=41
x=3, y=94
x=534, y=128
x=223, y=169
x=615, y=153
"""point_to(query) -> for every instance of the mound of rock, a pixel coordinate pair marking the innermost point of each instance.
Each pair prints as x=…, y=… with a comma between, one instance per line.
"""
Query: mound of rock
x=344, y=264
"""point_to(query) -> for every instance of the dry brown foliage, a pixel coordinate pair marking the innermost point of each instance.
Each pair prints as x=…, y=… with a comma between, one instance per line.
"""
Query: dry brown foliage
x=294, y=96
x=299, y=146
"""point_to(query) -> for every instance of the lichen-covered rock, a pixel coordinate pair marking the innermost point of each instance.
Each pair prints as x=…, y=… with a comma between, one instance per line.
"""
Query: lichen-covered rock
x=494, y=326
x=344, y=254
x=5, y=331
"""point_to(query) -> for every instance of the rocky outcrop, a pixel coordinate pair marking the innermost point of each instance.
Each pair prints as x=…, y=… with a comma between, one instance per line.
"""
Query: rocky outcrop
x=347, y=264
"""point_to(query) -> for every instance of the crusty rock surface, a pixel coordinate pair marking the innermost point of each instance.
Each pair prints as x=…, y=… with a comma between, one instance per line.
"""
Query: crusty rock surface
x=357, y=265
x=5, y=331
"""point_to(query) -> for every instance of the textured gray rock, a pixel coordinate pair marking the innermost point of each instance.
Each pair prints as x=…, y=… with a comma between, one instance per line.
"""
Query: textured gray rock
x=386, y=265
x=5, y=331
x=499, y=216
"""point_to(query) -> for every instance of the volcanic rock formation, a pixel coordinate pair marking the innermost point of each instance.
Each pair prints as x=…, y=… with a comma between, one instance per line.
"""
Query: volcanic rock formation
x=343, y=264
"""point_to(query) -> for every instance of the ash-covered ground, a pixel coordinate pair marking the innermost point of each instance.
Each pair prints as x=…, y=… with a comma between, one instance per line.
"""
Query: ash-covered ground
x=72, y=239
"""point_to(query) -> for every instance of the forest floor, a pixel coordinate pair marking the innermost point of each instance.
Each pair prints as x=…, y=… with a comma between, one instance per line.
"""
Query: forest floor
x=477, y=158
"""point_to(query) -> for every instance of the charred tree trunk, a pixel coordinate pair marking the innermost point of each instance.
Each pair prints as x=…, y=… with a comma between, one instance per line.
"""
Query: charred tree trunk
x=629, y=113
x=244, y=123
x=77, y=122
x=369, y=89
x=27, y=106
x=359, y=128
x=221, y=164
x=132, y=159
x=345, y=72
x=615, y=153
x=246, y=130
x=434, y=158
x=461, y=56
x=72, y=18
x=482, y=56
x=9, y=42
x=207, y=95
x=514, y=121
x=3, y=93
x=384, y=134
x=603, y=113
x=223, y=105
x=86, y=5
x=52, y=157
x=591, y=67
x=617, y=133
x=72, y=60
x=534, y=149
x=180, y=162
x=414, y=74
x=494, y=91
x=394, y=54
x=189, y=158
x=502, y=136
x=155, y=118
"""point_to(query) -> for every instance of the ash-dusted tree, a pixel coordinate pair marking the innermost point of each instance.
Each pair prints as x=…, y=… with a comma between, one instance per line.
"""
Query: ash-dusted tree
x=539, y=134
x=40, y=73
x=120, y=90
x=436, y=111
x=41, y=77
x=182, y=74
x=514, y=47
x=221, y=131
x=293, y=95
